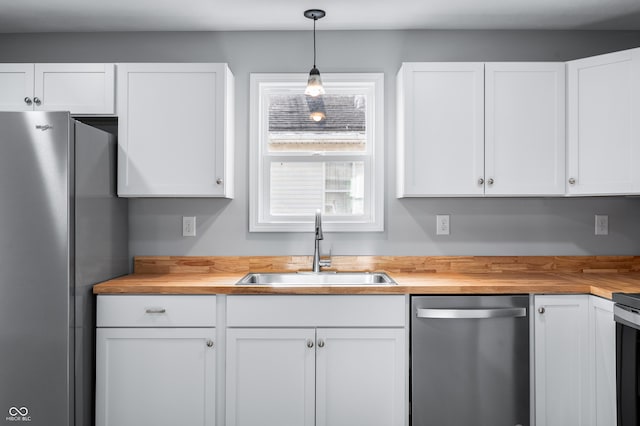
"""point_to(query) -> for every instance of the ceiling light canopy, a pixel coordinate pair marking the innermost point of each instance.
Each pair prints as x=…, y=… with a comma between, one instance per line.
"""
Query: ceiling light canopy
x=314, y=84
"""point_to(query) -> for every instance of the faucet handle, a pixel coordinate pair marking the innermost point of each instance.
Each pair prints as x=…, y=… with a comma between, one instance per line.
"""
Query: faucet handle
x=326, y=262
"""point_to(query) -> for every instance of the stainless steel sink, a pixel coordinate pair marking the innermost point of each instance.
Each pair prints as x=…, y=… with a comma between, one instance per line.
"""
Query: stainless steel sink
x=300, y=279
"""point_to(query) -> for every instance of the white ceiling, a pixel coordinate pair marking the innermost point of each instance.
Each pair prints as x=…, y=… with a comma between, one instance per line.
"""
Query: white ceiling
x=231, y=15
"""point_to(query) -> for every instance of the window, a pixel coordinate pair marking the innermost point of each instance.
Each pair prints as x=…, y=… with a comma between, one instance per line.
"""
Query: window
x=299, y=165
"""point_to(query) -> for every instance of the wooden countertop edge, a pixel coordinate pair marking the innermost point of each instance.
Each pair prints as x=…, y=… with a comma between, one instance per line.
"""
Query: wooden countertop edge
x=600, y=284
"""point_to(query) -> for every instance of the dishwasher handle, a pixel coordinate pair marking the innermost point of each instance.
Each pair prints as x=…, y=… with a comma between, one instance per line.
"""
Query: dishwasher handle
x=471, y=313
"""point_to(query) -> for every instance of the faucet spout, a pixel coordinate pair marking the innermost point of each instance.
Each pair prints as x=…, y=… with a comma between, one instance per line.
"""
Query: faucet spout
x=319, y=235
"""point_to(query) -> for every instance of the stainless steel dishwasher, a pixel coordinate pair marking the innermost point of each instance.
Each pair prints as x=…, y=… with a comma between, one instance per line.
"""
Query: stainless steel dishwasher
x=470, y=360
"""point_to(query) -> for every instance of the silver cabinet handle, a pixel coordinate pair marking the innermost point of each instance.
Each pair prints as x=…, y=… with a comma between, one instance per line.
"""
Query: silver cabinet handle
x=209, y=343
x=28, y=101
x=219, y=181
x=472, y=313
x=309, y=343
x=541, y=310
x=37, y=101
x=155, y=310
x=320, y=343
x=481, y=181
x=572, y=181
x=490, y=181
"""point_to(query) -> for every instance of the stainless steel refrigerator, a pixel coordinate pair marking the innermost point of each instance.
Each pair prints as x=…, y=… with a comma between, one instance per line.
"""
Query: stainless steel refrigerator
x=62, y=229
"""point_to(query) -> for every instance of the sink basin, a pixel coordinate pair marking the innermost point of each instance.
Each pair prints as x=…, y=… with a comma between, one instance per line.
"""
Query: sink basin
x=299, y=279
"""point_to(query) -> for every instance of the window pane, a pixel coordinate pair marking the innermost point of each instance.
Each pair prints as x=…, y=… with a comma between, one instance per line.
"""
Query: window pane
x=301, y=188
x=291, y=128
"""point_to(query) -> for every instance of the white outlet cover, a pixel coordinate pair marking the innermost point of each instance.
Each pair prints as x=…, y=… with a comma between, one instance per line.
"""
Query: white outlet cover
x=188, y=226
x=602, y=224
x=442, y=224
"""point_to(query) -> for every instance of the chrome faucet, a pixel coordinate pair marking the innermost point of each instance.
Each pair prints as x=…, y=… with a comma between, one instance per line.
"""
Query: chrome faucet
x=317, y=263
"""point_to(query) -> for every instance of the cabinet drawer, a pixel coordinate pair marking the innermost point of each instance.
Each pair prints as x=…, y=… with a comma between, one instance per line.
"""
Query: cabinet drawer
x=316, y=311
x=156, y=311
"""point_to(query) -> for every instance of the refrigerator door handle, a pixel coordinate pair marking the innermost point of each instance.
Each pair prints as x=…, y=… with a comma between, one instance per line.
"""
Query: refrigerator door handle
x=471, y=313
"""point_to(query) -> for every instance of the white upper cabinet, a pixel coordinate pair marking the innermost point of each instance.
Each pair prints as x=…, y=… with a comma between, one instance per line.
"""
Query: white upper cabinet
x=175, y=133
x=82, y=89
x=604, y=124
x=473, y=129
x=440, y=129
x=525, y=128
x=16, y=87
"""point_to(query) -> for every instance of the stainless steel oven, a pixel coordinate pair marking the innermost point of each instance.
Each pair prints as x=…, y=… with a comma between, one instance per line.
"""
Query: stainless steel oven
x=627, y=316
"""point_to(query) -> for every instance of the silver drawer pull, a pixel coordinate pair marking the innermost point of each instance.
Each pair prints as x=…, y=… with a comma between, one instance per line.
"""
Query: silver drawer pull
x=156, y=310
x=472, y=313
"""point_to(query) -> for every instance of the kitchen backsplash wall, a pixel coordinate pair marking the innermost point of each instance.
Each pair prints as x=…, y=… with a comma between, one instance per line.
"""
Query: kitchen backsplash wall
x=513, y=226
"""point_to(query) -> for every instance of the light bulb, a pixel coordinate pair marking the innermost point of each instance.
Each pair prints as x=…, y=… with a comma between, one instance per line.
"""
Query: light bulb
x=317, y=116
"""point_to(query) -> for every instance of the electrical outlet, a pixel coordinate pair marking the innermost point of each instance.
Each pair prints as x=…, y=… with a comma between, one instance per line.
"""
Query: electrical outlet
x=188, y=226
x=442, y=224
x=602, y=224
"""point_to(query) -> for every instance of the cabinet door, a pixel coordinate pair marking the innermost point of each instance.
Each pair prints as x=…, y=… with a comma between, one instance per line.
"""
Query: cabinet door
x=16, y=87
x=174, y=131
x=440, y=129
x=525, y=128
x=603, y=124
x=160, y=377
x=603, y=350
x=562, y=373
x=360, y=377
x=270, y=377
x=78, y=88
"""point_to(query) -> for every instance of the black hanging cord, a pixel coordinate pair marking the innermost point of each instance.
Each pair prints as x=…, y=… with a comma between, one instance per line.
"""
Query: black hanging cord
x=314, y=41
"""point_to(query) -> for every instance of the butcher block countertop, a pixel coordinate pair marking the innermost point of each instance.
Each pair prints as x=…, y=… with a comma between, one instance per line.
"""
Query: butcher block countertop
x=598, y=275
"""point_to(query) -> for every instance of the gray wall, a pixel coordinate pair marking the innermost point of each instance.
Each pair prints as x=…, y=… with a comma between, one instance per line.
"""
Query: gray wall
x=516, y=226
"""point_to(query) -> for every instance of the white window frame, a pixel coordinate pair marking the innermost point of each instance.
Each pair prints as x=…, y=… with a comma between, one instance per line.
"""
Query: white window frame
x=260, y=219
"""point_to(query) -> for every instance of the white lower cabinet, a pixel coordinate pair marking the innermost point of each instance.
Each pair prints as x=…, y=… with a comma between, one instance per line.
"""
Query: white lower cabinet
x=319, y=360
x=152, y=374
x=359, y=377
x=315, y=375
x=603, y=350
x=270, y=377
x=574, y=361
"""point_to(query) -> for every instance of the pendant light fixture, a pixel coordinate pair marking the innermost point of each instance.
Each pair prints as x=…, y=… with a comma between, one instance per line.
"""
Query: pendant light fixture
x=314, y=85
